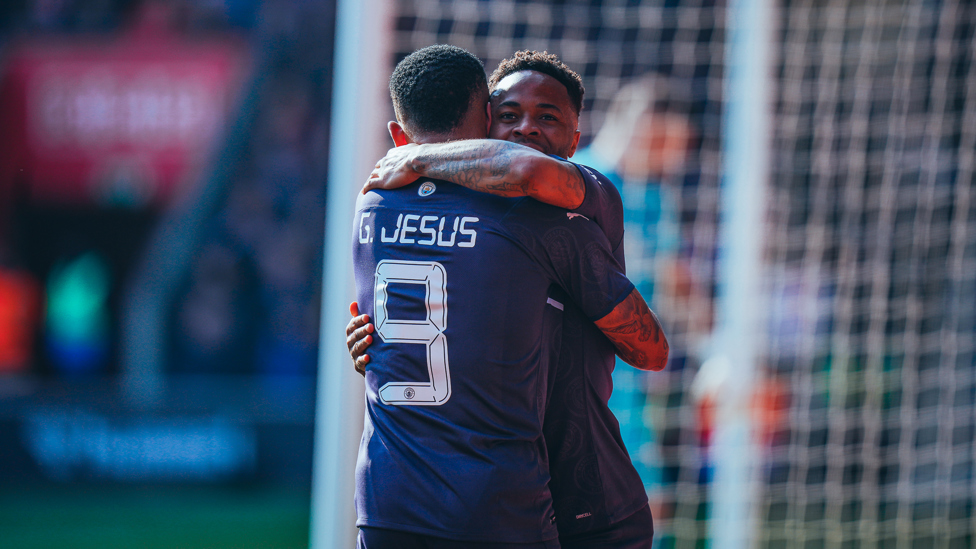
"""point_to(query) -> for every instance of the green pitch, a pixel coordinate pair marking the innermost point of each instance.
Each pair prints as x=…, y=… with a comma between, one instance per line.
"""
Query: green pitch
x=149, y=517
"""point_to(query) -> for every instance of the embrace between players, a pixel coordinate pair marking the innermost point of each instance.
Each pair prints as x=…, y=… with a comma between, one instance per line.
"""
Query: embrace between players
x=492, y=271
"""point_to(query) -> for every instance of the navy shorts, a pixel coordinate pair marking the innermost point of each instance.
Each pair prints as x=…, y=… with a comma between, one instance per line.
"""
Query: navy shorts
x=634, y=532
x=380, y=538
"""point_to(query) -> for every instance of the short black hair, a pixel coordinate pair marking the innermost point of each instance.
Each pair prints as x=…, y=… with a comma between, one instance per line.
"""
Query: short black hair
x=433, y=86
x=546, y=63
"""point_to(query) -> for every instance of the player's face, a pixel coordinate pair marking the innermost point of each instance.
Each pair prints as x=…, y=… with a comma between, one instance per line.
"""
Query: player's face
x=534, y=109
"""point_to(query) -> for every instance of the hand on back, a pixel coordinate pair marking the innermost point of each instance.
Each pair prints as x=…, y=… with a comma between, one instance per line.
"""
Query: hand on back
x=358, y=338
x=393, y=170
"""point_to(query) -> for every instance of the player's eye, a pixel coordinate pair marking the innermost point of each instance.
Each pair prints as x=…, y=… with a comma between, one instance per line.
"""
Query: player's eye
x=507, y=116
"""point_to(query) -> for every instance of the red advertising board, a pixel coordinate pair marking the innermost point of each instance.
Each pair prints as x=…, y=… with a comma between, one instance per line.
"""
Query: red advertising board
x=20, y=311
x=126, y=121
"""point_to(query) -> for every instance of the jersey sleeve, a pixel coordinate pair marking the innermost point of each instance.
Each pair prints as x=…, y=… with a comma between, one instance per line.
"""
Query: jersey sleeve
x=575, y=253
x=602, y=204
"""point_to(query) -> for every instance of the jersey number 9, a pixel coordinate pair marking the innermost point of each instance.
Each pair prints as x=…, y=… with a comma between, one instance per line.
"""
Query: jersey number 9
x=429, y=332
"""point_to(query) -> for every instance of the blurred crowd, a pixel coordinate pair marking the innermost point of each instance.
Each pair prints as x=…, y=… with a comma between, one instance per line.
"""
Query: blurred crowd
x=249, y=297
x=252, y=299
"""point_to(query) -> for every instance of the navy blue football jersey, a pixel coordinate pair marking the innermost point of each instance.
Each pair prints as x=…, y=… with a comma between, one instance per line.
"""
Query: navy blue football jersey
x=456, y=283
x=594, y=483
x=602, y=204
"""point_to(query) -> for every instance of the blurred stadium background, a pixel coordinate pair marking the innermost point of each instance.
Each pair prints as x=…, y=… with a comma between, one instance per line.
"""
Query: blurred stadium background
x=163, y=171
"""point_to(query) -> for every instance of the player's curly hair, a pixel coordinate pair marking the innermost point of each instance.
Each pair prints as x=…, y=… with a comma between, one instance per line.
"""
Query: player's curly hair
x=432, y=87
x=546, y=63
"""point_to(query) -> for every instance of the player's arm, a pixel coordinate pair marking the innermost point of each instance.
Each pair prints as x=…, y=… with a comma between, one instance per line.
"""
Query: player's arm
x=587, y=270
x=358, y=338
x=486, y=165
x=636, y=332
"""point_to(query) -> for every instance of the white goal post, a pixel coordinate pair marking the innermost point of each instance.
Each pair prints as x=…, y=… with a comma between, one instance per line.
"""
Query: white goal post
x=360, y=108
x=745, y=148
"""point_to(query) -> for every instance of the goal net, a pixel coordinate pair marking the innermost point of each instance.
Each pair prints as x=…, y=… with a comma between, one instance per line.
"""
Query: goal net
x=871, y=276
x=670, y=217
x=866, y=392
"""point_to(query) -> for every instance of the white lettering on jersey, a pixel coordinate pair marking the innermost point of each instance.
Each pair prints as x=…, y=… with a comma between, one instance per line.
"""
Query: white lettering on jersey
x=440, y=234
x=468, y=232
x=396, y=233
x=364, y=237
x=407, y=229
x=431, y=229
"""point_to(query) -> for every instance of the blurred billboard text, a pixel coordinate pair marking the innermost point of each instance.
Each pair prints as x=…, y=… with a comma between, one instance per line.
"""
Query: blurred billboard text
x=126, y=121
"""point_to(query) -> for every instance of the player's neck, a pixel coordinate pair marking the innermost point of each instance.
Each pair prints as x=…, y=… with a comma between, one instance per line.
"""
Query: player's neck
x=458, y=133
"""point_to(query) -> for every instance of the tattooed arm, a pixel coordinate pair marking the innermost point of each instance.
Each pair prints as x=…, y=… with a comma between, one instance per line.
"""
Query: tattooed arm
x=636, y=333
x=486, y=165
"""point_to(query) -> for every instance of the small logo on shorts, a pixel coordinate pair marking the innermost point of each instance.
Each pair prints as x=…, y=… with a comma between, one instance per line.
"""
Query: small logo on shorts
x=409, y=393
x=583, y=515
x=427, y=188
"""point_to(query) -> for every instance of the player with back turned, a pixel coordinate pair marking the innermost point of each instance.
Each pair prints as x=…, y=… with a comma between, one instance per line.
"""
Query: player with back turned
x=536, y=100
x=456, y=281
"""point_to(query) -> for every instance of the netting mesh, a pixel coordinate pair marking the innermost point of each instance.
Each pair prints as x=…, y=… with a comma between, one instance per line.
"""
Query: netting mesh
x=868, y=390
x=871, y=250
x=612, y=44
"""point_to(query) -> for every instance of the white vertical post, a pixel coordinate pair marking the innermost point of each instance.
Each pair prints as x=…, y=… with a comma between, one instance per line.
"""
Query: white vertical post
x=360, y=108
x=733, y=521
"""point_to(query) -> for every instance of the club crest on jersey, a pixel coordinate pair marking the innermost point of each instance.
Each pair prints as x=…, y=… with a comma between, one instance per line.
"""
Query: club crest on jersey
x=427, y=188
x=409, y=393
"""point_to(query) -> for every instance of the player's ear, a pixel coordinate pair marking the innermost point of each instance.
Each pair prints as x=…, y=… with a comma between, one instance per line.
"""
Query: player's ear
x=400, y=137
x=572, y=150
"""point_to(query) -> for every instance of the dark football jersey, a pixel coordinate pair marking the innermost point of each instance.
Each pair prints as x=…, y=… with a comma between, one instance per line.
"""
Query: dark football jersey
x=594, y=483
x=602, y=204
x=456, y=283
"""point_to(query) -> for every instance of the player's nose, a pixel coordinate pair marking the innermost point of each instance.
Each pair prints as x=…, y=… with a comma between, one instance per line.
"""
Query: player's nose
x=526, y=126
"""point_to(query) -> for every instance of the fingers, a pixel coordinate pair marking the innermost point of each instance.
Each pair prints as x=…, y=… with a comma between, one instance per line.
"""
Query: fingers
x=358, y=341
x=358, y=348
x=358, y=328
x=358, y=338
x=356, y=323
x=361, y=363
x=374, y=178
x=374, y=182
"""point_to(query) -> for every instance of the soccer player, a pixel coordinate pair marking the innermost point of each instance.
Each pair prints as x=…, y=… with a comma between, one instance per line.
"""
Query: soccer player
x=598, y=496
x=452, y=452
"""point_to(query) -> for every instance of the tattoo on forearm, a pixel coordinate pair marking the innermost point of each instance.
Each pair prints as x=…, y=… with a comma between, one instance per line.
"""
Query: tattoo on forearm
x=640, y=320
x=485, y=167
x=572, y=187
x=636, y=318
x=633, y=356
